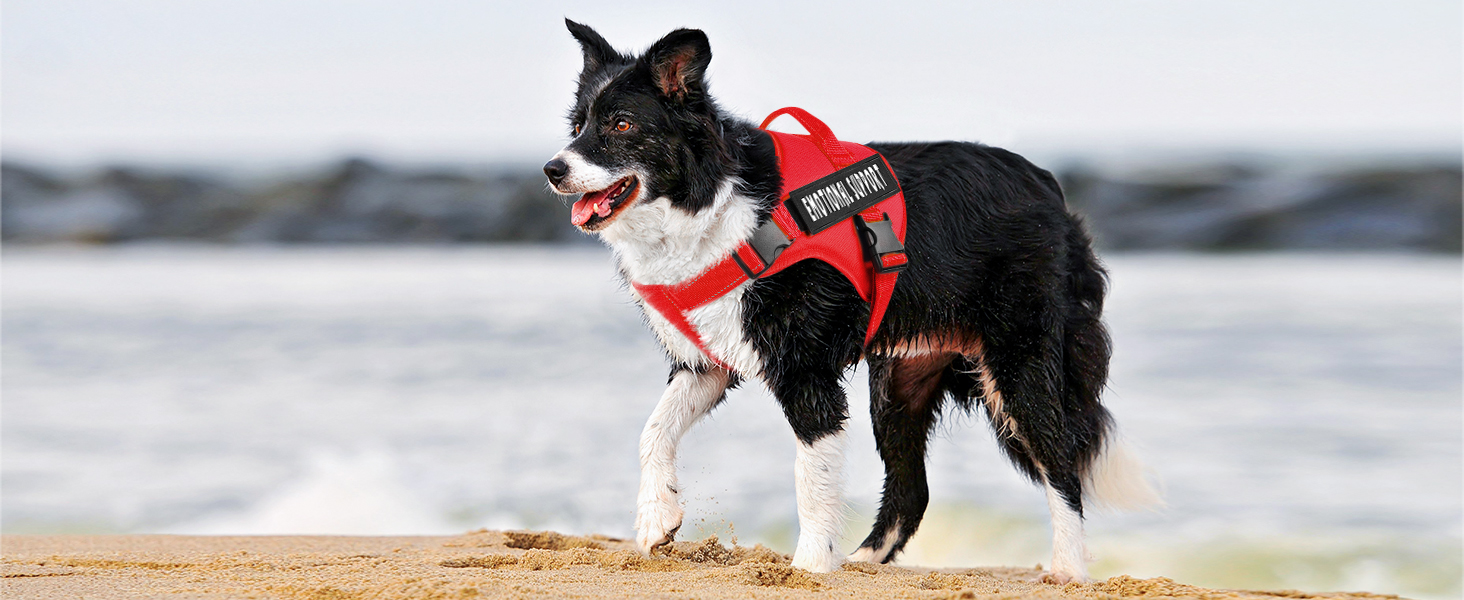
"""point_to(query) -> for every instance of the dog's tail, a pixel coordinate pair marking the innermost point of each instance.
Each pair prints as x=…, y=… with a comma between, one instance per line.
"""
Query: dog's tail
x=1117, y=480
x=1112, y=476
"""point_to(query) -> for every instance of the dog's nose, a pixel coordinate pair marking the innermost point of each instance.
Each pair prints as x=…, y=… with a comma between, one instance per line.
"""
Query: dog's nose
x=556, y=170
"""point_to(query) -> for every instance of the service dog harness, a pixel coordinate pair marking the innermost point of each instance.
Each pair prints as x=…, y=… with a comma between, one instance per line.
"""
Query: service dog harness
x=825, y=182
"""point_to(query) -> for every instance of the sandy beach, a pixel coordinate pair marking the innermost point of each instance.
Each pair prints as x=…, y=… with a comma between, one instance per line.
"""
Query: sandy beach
x=498, y=564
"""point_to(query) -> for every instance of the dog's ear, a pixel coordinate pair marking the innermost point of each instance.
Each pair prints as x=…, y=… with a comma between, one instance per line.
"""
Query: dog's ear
x=598, y=52
x=678, y=61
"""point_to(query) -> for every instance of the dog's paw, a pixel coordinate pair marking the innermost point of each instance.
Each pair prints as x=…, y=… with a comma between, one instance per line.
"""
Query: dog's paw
x=817, y=562
x=656, y=525
x=1063, y=576
x=865, y=554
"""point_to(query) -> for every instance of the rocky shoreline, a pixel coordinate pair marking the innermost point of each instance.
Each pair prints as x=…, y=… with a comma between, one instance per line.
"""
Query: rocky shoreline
x=1222, y=206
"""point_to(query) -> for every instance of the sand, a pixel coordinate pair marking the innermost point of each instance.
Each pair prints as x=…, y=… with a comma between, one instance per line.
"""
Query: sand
x=497, y=564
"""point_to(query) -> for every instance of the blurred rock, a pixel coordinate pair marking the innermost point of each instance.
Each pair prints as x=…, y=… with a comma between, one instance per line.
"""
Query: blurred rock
x=40, y=208
x=355, y=202
x=1213, y=207
x=1234, y=207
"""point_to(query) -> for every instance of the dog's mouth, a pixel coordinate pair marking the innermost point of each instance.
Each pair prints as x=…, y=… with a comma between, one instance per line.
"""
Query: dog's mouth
x=595, y=209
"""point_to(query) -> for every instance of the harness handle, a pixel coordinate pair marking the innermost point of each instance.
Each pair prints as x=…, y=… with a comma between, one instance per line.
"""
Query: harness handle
x=821, y=134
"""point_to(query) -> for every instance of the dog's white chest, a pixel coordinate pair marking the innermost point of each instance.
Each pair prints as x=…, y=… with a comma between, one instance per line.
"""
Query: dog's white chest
x=661, y=245
x=719, y=323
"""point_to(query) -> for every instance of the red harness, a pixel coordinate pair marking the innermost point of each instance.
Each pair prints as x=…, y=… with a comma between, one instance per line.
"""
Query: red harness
x=868, y=250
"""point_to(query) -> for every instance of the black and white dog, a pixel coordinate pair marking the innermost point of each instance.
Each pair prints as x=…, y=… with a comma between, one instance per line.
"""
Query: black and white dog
x=999, y=307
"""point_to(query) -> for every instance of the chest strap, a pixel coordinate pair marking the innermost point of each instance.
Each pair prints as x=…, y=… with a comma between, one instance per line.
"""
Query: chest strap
x=869, y=251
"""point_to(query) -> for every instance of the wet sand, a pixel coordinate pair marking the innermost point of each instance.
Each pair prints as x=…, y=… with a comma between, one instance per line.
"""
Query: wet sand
x=494, y=564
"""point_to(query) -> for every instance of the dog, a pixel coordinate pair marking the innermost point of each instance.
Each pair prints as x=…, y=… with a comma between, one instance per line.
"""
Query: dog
x=999, y=309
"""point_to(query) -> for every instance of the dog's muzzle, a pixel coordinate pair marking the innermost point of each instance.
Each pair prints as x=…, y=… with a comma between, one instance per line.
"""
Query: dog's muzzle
x=556, y=170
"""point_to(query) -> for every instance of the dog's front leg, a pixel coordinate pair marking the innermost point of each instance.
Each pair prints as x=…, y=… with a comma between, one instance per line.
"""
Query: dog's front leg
x=819, y=479
x=689, y=396
x=814, y=403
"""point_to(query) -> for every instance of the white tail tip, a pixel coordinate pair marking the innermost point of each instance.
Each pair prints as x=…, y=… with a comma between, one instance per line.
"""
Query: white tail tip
x=1117, y=480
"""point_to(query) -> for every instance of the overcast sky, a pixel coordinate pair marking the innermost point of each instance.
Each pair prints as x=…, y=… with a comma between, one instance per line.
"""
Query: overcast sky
x=422, y=80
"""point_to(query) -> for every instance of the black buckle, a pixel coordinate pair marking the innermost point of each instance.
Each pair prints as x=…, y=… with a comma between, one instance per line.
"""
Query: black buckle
x=769, y=242
x=879, y=239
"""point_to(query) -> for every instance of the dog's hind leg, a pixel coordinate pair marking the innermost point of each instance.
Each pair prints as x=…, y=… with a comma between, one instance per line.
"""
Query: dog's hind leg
x=692, y=392
x=904, y=398
x=1069, y=548
x=1052, y=435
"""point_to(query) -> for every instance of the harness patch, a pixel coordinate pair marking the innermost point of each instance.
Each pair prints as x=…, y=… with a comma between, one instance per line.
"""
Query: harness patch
x=842, y=194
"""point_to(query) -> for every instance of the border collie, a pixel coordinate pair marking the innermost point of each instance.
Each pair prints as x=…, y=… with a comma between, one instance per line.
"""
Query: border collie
x=999, y=309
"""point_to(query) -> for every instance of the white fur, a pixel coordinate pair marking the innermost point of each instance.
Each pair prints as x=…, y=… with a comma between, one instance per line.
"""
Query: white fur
x=1116, y=481
x=658, y=244
x=689, y=396
x=819, y=478
x=878, y=555
x=585, y=176
x=1069, y=553
x=720, y=323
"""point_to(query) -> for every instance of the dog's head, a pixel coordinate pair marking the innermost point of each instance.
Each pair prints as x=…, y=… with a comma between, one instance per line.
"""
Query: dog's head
x=642, y=128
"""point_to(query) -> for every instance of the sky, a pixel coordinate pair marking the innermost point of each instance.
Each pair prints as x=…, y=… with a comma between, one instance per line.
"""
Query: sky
x=279, y=81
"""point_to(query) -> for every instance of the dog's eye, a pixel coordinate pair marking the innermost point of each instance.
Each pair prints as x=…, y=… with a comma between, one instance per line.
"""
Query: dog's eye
x=576, y=128
x=622, y=125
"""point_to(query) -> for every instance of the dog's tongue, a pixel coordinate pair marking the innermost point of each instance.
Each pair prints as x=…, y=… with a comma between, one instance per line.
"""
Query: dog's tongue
x=586, y=205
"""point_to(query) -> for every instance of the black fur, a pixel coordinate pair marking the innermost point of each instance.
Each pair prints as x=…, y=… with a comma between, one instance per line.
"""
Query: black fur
x=681, y=136
x=1000, y=274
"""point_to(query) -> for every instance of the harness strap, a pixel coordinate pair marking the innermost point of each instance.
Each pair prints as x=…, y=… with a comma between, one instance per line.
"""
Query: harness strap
x=886, y=267
x=676, y=301
x=820, y=133
x=884, y=252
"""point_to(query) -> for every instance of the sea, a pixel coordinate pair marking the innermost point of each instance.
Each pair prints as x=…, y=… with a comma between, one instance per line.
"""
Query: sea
x=1301, y=412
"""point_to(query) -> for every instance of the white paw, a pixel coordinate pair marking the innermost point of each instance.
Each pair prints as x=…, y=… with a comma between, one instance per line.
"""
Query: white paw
x=656, y=523
x=1060, y=576
x=865, y=555
x=823, y=561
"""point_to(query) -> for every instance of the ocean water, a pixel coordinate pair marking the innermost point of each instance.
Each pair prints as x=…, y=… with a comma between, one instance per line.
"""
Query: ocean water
x=1303, y=412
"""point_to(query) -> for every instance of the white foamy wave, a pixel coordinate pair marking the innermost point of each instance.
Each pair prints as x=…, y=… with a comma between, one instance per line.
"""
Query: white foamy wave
x=1303, y=410
x=359, y=493
x=960, y=535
